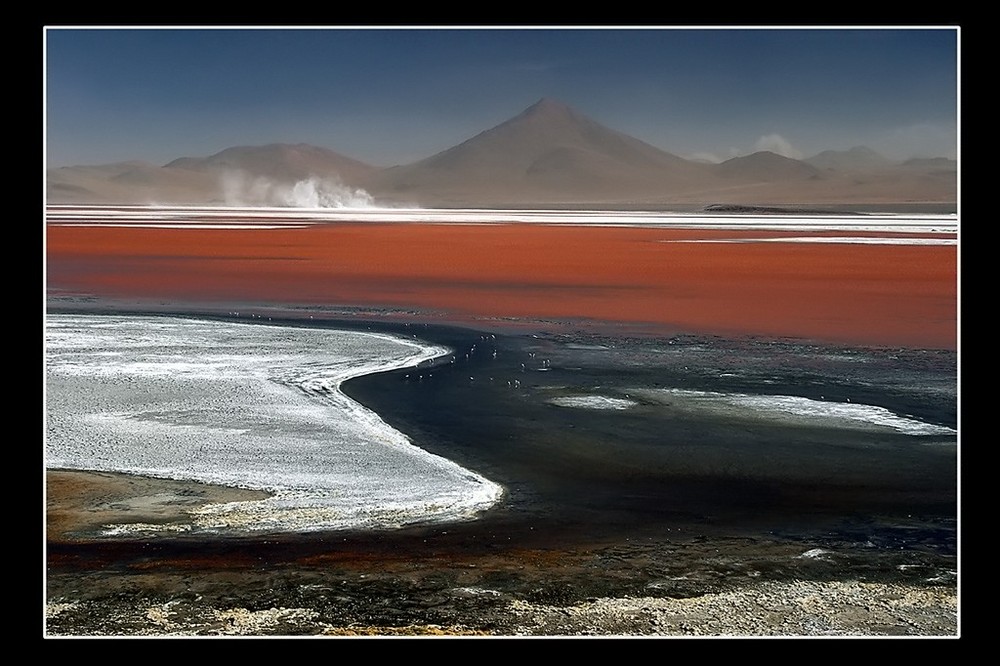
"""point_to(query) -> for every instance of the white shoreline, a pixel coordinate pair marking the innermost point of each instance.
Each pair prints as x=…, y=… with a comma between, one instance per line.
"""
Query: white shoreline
x=320, y=497
x=190, y=216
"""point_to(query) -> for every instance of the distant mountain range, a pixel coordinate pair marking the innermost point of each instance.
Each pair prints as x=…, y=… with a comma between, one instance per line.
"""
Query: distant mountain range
x=548, y=155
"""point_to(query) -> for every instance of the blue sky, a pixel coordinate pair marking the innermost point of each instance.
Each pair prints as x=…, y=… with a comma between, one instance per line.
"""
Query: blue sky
x=392, y=96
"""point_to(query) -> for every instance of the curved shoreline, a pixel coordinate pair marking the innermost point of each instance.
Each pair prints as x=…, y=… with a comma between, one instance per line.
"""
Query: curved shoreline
x=296, y=507
x=528, y=567
x=382, y=402
x=613, y=519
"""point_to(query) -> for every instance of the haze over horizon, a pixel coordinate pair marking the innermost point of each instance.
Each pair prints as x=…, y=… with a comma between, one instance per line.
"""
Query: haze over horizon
x=393, y=96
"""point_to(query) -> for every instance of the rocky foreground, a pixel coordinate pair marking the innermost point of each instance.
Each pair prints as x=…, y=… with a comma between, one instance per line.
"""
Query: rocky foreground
x=419, y=586
x=798, y=608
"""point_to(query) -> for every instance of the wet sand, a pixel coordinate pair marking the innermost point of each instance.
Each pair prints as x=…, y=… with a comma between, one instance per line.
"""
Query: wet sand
x=598, y=508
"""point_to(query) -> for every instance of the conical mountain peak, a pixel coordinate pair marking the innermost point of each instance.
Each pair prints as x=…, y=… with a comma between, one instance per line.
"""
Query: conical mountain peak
x=548, y=153
x=550, y=110
x=548, y=105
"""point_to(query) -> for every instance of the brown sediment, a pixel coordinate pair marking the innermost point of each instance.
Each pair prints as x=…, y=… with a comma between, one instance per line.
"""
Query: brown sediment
x=82, y=504
x=892, y=295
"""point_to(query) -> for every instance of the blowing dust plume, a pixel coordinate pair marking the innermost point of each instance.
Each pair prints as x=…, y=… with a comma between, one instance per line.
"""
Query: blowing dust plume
x=241, y=189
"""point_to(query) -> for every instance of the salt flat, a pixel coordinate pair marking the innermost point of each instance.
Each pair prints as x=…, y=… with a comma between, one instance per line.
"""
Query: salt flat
x=252, y=406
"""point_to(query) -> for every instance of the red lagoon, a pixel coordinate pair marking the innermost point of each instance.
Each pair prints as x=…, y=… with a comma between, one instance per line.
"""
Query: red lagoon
x=877, y=294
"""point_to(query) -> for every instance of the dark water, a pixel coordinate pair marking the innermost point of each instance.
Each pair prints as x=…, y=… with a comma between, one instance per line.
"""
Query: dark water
x=580, y=474
x=656, y=499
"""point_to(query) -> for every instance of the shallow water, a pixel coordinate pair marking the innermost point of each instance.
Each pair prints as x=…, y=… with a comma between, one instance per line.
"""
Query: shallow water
x=605, y=434
x=705, y=434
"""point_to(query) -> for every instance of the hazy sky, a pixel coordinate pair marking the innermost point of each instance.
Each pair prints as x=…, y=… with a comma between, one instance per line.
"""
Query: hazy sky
x=392, y=96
